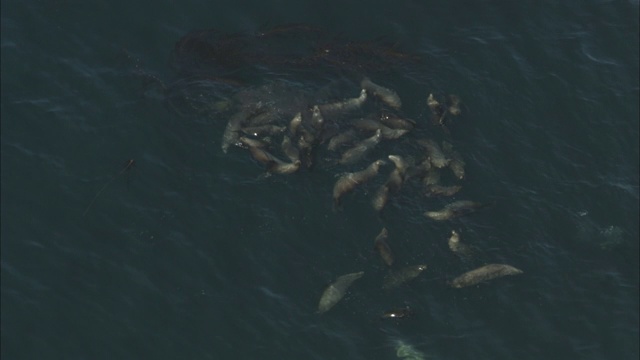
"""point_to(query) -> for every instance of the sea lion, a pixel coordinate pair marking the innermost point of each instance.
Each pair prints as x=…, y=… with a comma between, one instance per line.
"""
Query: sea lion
x=273, y=164
x=436, y=156
x=380, y=244
x=387, y=96
x=437, y=110
x=291, y=151
x=372, y=125
x=347, y=182
x=317, y=121
x=380, y=198
x=295, y=123
x=432, y=178
x=484, y=273
x=399, y=277
x=457, y=247
x=249, y=142
x=341, y=139
x=395, y=122
x=360, y=149
x=454, y=105
x=344, y=106
x=439, y=190
x=335, y=291
x=231, y=131
x=456, y=163
x=263, y=130
x=397, y=176
x=455, y=209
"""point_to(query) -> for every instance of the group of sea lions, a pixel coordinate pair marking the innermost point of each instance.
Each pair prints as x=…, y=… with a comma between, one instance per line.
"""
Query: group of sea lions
x=349, y=133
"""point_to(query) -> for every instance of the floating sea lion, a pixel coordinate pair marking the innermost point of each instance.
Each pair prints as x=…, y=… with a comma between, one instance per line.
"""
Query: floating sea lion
x=399, y=277
x=360, y=149
x=484, y=273
x=295, y=123
x=347, y=182
x=263, y=130
x=387, y=96
x=455, y=209
x=454, y=105
x=439, y=190
x=380, y=198
x=397, y=176
x=334, y=292
x=231, y=132
x=249, y=142
x=372, y=125
x=432, y=178
x=395, y=122
x=341, y=139
x=344, y=106
x=383, y=248
x=457, y=247
x=291, y=151
x=273, y=164
x=436, y=156
x=456, y=164
x=437, y=110
x=317, y=121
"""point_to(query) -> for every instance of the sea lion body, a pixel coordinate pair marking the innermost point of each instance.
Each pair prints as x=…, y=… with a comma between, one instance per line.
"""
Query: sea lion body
x=436, y=156
x=341, y=139
x=395, y=122
x=456, y=163
x=344, y=106
x=457, y=247
x=380, y=244
x=387, y=96
x=349, y=181
x=439, y=190
x=485, y=273
x=399, y=277
x=335, y=292
x=455, y=209
x=360, y=150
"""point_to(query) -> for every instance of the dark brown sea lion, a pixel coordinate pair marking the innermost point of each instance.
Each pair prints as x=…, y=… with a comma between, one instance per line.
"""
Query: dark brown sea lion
x=380, y=244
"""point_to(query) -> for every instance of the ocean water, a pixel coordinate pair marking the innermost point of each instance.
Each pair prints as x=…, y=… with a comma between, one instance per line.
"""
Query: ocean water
x=196, y=254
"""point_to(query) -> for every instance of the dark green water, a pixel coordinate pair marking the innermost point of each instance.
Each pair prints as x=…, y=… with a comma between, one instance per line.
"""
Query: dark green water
x=193, y=255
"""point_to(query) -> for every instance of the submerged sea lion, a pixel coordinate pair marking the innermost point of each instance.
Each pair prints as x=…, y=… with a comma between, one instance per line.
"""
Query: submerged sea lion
x=454, y=105
x=399, y=277
x=387, y=96
x=347, y=182
x=437, y=110
x=383, y=248
x=395, y=122
x=340, y=139
x=335, y=291
x=439, y=190
x=484, y=273
x=380, y=198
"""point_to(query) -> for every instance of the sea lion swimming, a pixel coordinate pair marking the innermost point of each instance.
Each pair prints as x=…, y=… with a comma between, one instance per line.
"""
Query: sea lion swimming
x=399, y=277
x=395, y=122
x=344, y=106
x=380, y=198
x=335, y=291
x=341, y=139
x=373, y=125
x=383, y=248
x=273, y=164
x=456, y=163
x=436, y=156
x=387, y=96
x=485, y=273
x=440, y=190
x=347, y=182
x=457, y=247
x=360, y=149
x=455, y=209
